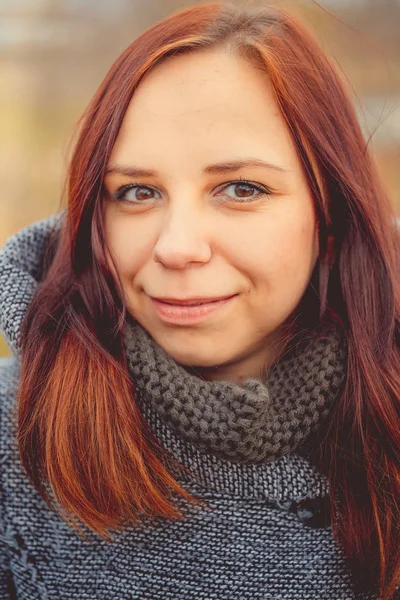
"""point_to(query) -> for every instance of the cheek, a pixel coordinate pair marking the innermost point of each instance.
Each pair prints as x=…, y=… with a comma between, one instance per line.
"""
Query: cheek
x=281, y=255
x=127, y=246
x=295, y=259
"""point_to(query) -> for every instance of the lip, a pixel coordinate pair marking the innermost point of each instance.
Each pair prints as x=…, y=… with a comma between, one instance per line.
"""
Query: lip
x=189, y=301
x=187, y=315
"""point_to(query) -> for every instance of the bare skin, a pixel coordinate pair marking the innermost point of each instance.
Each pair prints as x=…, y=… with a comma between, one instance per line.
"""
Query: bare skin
x=184, y=232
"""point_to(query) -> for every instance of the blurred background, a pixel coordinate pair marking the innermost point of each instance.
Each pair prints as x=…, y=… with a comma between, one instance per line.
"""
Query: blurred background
x=55, y=53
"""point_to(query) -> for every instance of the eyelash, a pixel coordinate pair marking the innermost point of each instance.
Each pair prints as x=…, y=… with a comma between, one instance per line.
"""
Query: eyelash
x=123, y=189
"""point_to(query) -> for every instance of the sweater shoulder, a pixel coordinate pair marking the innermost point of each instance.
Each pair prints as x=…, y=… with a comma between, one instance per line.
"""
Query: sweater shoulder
x=9, y=383
x=9, y=378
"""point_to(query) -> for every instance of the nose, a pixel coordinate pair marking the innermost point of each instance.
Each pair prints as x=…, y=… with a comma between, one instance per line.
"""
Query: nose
x=183, y=240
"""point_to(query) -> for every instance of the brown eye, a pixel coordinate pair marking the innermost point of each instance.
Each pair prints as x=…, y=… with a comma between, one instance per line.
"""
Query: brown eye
x=245, y=190
x=142, y=193
x=134, y=193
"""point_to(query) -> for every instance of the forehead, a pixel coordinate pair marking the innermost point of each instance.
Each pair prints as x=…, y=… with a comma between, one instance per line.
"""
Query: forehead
x=200, y=102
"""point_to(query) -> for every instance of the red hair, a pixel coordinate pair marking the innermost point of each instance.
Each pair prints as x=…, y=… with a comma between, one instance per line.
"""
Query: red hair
x=79, y=429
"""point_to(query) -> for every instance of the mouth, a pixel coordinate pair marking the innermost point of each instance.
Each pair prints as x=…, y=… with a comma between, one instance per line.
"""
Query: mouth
x=189, y=312
x=190, y=301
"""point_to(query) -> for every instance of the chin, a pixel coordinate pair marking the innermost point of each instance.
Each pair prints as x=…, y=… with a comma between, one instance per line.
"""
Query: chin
x=196, y=360
x=193, y=357
x=194, y=348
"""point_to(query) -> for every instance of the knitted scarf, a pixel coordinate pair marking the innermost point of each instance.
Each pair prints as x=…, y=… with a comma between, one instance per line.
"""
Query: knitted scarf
x=257, y=422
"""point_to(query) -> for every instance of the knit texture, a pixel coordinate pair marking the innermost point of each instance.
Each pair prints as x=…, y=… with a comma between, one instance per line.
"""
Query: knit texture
x=263, y=535
x=252, y=423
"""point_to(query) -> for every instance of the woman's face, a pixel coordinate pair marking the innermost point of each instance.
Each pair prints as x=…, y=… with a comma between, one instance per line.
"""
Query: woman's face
x=180, y=225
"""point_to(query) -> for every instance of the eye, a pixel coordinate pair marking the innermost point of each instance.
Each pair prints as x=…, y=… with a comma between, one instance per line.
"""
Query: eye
x=134, y=193
x=244, y=190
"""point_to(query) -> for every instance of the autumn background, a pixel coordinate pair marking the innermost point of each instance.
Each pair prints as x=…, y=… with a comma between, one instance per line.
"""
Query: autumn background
x=54, y=54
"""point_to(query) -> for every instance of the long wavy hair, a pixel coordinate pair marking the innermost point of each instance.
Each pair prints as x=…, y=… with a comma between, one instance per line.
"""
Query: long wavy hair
x=80, y=433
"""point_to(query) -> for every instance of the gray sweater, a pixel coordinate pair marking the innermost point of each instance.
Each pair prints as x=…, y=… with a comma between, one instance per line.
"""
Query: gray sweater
x=262, y=538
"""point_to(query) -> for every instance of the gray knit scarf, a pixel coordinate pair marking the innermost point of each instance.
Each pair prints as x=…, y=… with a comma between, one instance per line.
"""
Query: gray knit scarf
x=257, y=422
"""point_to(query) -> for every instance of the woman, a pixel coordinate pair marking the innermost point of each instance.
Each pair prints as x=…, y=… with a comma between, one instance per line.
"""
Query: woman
x=206, y=339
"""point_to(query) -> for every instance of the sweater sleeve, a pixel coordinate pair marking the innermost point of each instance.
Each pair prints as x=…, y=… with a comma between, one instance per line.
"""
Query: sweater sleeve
x=6, y=585
x=7, y=591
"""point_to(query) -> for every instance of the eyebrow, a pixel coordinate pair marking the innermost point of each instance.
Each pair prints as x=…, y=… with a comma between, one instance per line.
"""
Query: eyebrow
x=224, y=167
